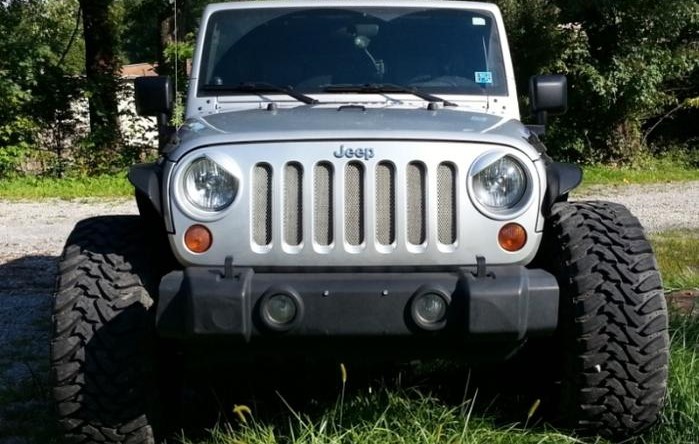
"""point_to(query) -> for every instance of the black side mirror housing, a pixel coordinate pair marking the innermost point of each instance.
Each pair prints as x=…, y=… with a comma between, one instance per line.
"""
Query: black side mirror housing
x=155, y=96
x=548, y=95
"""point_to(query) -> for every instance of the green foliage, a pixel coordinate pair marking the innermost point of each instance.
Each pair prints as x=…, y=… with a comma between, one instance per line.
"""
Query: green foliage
x=177, y=54
x=38, y=63
x=633, y=68
x=622, y=59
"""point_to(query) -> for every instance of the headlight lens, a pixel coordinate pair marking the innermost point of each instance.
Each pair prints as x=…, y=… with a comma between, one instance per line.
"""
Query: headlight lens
x=209, y=187
x=501, y=185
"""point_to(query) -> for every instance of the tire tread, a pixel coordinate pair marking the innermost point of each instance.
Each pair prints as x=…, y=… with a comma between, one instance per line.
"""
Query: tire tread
x=616, y=333
x=101, y=327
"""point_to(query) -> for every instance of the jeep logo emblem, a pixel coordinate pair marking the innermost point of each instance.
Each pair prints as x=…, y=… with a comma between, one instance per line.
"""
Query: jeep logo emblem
x=354, y=153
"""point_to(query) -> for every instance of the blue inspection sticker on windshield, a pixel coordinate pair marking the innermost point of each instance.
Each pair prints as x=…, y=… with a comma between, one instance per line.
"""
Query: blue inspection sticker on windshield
x=484, y=77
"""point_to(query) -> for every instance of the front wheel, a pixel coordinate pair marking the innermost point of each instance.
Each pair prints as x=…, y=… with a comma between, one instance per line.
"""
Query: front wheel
x=613, y=331
x=102, y=344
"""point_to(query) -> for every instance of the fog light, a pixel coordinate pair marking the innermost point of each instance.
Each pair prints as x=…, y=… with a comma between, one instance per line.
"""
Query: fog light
x=198, y=239
x=280, y=309
x=429, y=310
x=512, y=237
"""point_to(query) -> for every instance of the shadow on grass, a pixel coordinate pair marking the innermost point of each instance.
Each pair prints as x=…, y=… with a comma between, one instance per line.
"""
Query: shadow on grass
x=26, y=285
x=435, y=401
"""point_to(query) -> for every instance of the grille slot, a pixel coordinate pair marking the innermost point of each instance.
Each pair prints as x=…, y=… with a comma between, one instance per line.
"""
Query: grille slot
x=446, y=203
x=262, y=204
x=417, y=203
x=385, y=203
x=354, y=203
x=293, y=203
x=323, y=203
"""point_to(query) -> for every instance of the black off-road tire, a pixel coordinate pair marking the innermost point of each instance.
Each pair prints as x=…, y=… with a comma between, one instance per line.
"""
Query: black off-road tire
x=102, y=343
x=613, y=328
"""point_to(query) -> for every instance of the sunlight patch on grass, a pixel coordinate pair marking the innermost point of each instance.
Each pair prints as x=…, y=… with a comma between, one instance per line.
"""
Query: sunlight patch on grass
x=649, y=171
x=677, y=252
x=33, y=188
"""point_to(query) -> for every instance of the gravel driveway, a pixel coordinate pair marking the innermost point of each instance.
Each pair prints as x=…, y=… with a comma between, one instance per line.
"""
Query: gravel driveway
x=32, y=235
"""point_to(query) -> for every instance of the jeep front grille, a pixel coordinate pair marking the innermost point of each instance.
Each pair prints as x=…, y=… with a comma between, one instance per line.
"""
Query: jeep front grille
x=325, y=204
x=361, y=204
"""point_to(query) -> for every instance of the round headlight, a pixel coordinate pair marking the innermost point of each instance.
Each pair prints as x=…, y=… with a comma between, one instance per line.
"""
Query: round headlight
x=209, y=187
x=501, y=185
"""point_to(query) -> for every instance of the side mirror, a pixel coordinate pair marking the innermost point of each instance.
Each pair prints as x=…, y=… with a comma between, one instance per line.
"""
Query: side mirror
x=548, y=95
x=154, y=96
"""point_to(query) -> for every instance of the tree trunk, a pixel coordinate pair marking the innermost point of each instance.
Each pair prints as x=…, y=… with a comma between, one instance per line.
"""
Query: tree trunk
x=102, y=70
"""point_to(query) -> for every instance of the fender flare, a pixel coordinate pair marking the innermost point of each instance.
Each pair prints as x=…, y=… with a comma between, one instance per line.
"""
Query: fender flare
x=145, y=177
x=561, y=179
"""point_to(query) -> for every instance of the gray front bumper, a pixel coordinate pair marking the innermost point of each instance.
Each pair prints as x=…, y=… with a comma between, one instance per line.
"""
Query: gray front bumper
x=507, y=303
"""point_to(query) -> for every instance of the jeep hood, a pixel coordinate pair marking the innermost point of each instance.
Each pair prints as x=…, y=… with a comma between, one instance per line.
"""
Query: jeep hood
x=349, y=123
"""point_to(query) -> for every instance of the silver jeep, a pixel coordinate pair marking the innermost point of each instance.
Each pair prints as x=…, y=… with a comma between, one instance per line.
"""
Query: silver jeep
x=353, y=178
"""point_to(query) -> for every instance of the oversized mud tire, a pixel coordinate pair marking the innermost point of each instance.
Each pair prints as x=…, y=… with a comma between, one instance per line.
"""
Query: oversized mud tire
x=613, y=334
x=103, y=333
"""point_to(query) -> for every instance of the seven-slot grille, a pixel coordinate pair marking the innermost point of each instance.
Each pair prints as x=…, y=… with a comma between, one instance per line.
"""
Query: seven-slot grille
x=343, y=196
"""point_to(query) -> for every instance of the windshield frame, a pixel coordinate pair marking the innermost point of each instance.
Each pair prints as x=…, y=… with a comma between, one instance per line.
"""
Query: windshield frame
x=507, y=81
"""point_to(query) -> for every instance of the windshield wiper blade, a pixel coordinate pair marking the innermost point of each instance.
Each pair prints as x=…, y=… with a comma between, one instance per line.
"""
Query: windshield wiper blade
x=259, y=87
x=387, y=88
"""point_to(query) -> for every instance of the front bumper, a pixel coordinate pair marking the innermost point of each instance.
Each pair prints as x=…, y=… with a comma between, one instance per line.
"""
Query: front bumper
x=508, y=303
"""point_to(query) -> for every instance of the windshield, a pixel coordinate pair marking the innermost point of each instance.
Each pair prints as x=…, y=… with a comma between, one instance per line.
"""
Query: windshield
x=442, y=51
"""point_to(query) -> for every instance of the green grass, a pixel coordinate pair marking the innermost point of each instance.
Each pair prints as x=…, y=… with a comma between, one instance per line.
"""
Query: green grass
x=388, y=416
x=677, y=252
x=656, y=170
x=108, y=186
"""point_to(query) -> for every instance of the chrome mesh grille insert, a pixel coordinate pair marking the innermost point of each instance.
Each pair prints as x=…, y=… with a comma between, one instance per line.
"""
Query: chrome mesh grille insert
x=287, y=205
x=385, y=203
x=417, y=203
x=293, y=203
x=262, y=204
x=446, y=203
x=323, y=203
x=354, y=203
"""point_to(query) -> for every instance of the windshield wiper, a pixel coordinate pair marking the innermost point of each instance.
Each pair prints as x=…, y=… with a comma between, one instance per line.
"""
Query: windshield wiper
x=259, y=87
x=386, y=88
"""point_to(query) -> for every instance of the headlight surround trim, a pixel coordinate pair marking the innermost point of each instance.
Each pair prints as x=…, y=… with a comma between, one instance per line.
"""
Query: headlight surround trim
x=525, y=196
x=191, y=186
x=183, y=199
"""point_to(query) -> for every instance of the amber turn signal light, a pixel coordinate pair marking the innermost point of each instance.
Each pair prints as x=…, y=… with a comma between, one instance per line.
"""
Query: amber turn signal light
x=512, y=237
x=198, y=239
